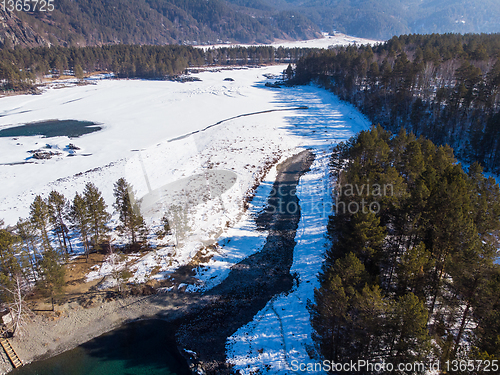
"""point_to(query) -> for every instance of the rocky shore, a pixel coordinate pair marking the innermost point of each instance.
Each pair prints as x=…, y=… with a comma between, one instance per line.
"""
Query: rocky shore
x=70, y=325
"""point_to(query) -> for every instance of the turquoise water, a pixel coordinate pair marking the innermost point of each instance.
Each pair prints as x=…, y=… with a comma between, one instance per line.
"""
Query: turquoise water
x=145, y=347
x=52, y=128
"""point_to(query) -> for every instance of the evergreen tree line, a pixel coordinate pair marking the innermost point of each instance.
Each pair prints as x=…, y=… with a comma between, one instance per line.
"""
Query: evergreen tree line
x=20, y=67
x=413, y=277
x=445, y=87
x=37, y=247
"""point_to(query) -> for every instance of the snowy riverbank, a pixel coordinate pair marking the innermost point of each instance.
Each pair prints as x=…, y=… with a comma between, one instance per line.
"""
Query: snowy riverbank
x=143, y=124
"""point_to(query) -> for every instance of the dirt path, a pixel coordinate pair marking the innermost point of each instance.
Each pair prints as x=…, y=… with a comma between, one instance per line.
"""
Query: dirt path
x=252, y=282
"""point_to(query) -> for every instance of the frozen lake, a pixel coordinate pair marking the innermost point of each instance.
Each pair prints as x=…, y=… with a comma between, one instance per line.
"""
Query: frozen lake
x=51, y=128
x=157, y=135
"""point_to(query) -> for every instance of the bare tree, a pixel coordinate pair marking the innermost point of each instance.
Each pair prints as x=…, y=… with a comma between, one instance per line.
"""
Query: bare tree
x=180, y=222
x=18, y=308
x=119, y=269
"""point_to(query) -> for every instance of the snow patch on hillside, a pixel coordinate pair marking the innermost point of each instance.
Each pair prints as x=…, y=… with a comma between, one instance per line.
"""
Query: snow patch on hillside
x=337, y=39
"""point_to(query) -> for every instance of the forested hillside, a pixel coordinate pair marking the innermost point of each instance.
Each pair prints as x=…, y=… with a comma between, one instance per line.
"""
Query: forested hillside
x=410, y=276
x=97, y=22
x=383, y=19
x=445, y=87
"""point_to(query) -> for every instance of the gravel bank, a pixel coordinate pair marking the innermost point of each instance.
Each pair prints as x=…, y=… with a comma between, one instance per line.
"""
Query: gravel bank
x=46, y=336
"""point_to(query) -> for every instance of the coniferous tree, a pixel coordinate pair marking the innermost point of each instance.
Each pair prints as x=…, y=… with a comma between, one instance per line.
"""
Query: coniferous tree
x=53, y=272
x=132, y=222
x=415, y=263
x=334, y=302
x=78, y=71
x=80, y=218
x=40, y=217
x=486, y=337
x=410, y=341
x=9, y=263
x=27, y=234
x=369, y=314
x=98, y=216
x=58, y=206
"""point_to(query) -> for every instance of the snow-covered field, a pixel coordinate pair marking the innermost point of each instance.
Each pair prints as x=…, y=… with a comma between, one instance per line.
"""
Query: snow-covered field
x=338, y=39
x=199, y=179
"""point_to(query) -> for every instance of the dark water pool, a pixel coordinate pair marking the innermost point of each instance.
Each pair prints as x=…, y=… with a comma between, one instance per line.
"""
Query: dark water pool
x=144, y=347
x=52, y=128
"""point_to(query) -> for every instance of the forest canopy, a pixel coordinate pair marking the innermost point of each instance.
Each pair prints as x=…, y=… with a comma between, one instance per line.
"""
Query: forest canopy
x=445, y=87
x=414, y=279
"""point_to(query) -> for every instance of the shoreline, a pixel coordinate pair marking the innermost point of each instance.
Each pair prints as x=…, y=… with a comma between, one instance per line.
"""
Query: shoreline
x=72, y=325
x=47, y=336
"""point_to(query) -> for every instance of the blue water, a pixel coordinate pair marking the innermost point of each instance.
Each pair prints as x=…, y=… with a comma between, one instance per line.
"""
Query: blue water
x=139, y=348
x=52, y=128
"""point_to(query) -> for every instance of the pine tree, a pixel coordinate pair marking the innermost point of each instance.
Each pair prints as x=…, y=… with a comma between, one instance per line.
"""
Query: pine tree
x=289, y=72
x=328, y=316
x=78, y=71
x=9, y=263
x=98, y=215
x=369, y=314
x=58, y=206
x=410, y=341
x=27, y=234
x=366, y=238
x=52, y=271
x=471, y=271
x=39, y=216
x=335, y=302
x=132, y=222
x=80, y=219
x=415, y=264
x=486, y=336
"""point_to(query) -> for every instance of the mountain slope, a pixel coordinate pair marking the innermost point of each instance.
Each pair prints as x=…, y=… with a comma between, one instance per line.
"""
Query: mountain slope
x=14, y=32
x=95, y=22
x=384, y=18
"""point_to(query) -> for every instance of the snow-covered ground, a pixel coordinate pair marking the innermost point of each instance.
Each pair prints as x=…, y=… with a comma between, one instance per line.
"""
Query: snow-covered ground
x=338, y=39
x=138, y=118
x=279, y=337
x=199, y=179
x=144, y=123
